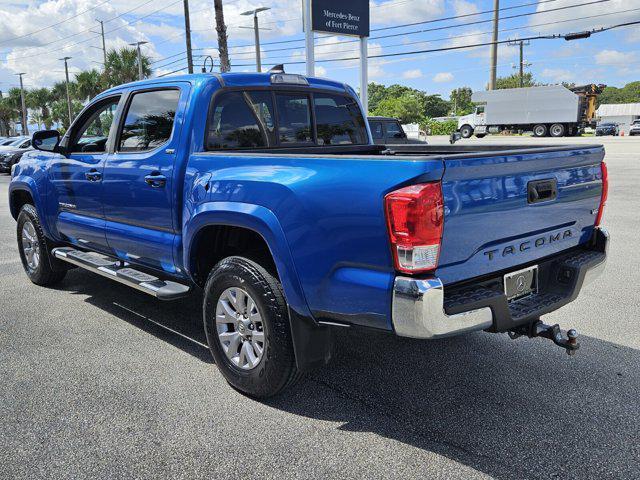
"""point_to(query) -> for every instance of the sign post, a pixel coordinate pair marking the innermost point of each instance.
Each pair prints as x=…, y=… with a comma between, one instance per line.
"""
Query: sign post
x=343, y=18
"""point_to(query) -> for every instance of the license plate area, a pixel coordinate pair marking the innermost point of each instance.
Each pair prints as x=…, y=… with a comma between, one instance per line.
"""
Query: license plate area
x=521, y=283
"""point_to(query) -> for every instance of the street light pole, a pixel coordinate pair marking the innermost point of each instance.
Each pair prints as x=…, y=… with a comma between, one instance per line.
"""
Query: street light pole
x=66, y=74
x=25, y=127
x=256, y=32
x=140, y=72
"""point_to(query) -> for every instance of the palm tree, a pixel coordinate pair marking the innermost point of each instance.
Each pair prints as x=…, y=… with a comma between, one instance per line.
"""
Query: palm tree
x=39, y=99
x=7, y=115
x=122, y=66
x=89, y=83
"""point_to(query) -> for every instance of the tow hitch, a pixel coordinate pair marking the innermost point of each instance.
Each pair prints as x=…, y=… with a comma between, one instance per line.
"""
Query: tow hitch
x=552, y=332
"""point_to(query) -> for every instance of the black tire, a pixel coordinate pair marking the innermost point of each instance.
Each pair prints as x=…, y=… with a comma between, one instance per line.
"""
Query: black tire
x=481, y=135
x=43, y=274
x=540, y=130
x=466, y=131
x=557, y=130
x=276, y=369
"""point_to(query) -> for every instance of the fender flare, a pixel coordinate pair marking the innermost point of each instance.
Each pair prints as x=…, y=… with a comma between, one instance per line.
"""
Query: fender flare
x=28, y=184
x=312, y=342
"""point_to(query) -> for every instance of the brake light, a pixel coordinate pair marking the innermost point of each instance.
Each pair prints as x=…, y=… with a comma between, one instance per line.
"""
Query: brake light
x=415, y=219
x=605, y=192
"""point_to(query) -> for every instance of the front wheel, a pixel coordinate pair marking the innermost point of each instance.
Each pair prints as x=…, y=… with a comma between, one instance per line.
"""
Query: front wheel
x=34, y=249
x=247, y=326
x=466, y=131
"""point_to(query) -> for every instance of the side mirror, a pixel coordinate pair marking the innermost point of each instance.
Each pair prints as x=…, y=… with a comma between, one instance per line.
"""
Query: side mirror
x=399, y=135
x=46, y=140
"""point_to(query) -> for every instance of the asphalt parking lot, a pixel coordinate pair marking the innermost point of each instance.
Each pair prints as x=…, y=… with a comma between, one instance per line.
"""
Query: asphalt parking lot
x=100, y=381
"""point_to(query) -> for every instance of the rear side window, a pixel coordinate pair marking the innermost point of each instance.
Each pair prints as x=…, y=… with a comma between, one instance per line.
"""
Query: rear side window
x=233, y=124
x=294, y=118
x=149, y=120
x=338, y=119
x=376, y=130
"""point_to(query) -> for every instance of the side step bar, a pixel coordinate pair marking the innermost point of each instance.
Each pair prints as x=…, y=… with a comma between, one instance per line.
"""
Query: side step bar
x=122, y=272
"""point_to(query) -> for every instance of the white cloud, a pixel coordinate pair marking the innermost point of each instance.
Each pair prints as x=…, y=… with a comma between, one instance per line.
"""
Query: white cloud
x=414, y=73
x=391, y=12
x=614, y=57
x=443, y=77
x=462, y=7
x=558, y=75
x=611, y=13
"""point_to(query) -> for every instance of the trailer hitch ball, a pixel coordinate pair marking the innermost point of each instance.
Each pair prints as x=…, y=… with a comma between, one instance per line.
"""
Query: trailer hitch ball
x=551, y=332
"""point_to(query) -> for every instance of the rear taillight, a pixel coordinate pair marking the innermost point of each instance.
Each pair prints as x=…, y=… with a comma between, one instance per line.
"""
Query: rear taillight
x=605, y=192
x=415, y=220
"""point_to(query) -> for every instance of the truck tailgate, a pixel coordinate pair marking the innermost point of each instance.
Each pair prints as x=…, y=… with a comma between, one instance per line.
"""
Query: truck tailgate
x=493, y=220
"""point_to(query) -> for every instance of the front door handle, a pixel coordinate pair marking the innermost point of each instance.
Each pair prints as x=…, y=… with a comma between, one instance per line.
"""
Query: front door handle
x=93, y=175
x=156, y=180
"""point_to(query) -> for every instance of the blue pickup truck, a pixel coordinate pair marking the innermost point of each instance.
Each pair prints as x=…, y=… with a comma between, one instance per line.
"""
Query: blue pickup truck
x=266, y=192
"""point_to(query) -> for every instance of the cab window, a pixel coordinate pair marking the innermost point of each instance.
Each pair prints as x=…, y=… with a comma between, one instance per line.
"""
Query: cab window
x=149, y=120
x=94, y=126
x=234, y=124
x=338, y=120
x=294, y=118
x=376, y=130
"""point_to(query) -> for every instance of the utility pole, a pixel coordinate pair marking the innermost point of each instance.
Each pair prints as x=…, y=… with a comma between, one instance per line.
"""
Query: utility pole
x=256, y=32
x=223, y=51
x=187, y=32
x=522, y=64
x=104, y=45
x=66, y=74
x=494, y=46
x=140, y=72
x=25, y=127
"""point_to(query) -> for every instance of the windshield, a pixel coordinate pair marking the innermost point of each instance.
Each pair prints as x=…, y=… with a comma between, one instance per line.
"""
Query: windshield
x=16, y=142
x=7, y=141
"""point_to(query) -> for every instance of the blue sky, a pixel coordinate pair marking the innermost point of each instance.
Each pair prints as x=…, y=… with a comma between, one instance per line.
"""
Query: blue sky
x=28, y=43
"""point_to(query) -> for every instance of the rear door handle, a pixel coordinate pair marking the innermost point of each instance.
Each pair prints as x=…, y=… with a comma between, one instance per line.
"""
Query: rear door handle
x=93, y=175
x=156, y=180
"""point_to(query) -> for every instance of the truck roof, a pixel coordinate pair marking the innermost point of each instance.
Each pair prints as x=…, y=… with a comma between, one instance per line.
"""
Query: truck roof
x=231, y=79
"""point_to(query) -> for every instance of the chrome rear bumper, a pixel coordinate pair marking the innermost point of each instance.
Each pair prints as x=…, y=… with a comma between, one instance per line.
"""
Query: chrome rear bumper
x=418, y=309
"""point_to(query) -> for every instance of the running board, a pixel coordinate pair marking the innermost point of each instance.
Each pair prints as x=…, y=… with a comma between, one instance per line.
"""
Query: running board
x=122, y=272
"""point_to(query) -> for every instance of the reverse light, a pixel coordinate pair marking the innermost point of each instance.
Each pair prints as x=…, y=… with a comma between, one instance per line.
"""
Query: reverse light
x=605, y=193
x=415, y=219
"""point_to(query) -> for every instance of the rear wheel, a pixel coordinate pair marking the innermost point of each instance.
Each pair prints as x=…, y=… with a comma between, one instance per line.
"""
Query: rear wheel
x=34, y=249
x=247, y=326
x=557, y=130
x=540, y=130
x=466, y=131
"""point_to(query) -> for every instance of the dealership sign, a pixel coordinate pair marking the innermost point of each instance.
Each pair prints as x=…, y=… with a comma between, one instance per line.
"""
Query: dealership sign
x=350, y=17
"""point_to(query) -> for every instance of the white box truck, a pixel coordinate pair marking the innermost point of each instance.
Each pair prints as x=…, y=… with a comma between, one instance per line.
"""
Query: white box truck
x=547, y=110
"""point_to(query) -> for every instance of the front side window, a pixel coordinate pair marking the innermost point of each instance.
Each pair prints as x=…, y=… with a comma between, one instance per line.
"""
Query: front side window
x=294, y=118
x=393, y=129
x=339, y=120
x=233, y=124
x=94, y=130
x=149, y=120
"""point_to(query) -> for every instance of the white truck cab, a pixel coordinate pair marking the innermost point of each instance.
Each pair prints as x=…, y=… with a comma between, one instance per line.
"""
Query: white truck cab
x=473, y=123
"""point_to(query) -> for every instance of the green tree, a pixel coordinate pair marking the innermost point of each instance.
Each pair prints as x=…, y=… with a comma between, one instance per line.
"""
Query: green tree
x=8, y=114
x=38, y=99
x=460, y=100
x=630, y=93
x=60, y=114
x=513, y=81
x=89, y=83
x=435, y=106
x=408, y=108
x=122, y=66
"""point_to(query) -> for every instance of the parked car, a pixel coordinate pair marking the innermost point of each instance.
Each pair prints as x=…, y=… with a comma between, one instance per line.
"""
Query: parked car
x=12, y=143
x=634, y=128
x=387, y=130
x=607, y=129
x=8, y=158
x=7, y=141
x=266, y=191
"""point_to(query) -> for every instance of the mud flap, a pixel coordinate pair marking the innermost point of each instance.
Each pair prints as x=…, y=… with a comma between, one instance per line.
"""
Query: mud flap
x=312, y=343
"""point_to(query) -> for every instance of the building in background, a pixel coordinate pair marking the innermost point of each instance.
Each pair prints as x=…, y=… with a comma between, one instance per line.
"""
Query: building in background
x=621, y=113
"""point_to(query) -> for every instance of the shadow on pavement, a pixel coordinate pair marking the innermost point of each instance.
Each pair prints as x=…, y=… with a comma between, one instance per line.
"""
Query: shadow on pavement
x=510, y=409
